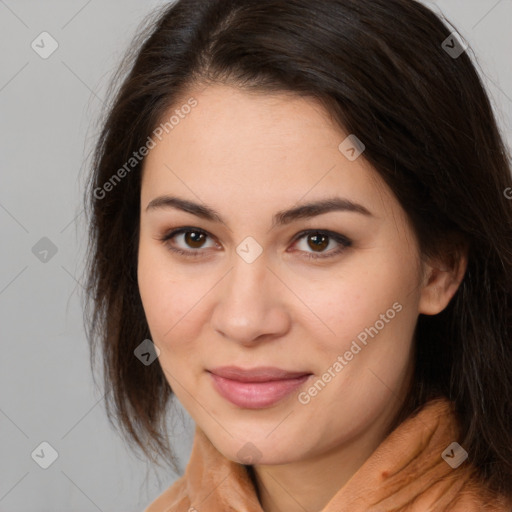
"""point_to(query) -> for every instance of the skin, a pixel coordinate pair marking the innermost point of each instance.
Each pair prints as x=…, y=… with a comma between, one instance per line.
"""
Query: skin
x=249, y=155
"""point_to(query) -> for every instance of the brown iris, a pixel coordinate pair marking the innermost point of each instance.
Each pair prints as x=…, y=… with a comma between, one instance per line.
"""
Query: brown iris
x=320, y=241
x=194, y=237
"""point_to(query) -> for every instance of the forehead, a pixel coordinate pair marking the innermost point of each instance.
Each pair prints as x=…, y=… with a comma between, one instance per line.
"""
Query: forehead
x=247, y=120
x=263, y=147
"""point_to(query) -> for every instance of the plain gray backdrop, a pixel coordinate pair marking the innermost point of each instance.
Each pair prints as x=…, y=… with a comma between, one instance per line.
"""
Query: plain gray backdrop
x=49, y=107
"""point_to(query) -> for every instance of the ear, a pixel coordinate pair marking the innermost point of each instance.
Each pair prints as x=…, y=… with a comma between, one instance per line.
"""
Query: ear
x=441, y=280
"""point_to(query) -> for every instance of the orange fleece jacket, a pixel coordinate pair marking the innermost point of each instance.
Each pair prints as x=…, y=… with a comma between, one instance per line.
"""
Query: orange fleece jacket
x=406, y=473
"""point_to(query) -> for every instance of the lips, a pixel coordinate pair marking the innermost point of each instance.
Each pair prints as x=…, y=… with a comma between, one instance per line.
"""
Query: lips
x=255, y=388
x=260, y=374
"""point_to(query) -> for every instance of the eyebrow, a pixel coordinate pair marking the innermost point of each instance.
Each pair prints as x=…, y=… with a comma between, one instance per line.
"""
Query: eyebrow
x=283, y=217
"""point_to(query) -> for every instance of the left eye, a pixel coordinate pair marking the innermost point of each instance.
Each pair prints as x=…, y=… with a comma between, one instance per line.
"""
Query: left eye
x=315, y=239
x=321, y=240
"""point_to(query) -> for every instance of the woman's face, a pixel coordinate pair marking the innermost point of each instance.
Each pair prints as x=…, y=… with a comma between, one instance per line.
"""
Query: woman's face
x=249, y=292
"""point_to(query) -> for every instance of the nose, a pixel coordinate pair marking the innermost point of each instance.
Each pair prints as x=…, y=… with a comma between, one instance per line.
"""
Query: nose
x=250, y=305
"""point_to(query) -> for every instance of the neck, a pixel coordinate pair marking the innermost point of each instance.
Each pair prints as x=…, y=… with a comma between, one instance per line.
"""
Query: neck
x=309, y=484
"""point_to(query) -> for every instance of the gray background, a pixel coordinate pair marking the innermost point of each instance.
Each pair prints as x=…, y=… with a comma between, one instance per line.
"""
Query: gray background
x=49, y=108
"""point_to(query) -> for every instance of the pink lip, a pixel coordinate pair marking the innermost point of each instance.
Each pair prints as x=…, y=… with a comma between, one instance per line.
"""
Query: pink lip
x=256, y=388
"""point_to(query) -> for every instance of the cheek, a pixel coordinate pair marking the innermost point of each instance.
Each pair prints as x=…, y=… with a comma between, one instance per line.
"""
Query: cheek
x=368, y=314
x=163, y=294
x=171, y=298
x=344, y=301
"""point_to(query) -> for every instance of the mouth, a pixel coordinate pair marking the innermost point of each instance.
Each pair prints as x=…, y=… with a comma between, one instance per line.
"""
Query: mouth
x=256, y=388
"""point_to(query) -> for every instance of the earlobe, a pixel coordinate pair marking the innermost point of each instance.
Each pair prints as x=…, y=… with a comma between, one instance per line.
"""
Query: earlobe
x=440, y=284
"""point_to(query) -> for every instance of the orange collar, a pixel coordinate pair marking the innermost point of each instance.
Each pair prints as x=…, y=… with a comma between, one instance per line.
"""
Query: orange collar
x=406, y=473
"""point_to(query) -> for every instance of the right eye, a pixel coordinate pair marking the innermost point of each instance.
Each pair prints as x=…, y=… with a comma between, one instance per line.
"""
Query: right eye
x=191, y=237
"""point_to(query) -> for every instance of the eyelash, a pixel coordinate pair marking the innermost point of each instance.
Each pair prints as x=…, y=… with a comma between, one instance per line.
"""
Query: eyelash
x=342, y=240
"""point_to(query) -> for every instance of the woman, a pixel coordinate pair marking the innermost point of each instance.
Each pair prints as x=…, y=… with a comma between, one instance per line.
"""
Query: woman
x=300, y=228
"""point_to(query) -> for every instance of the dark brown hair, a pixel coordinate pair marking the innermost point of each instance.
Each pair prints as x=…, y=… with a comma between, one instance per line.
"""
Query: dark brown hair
x=380, y=69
